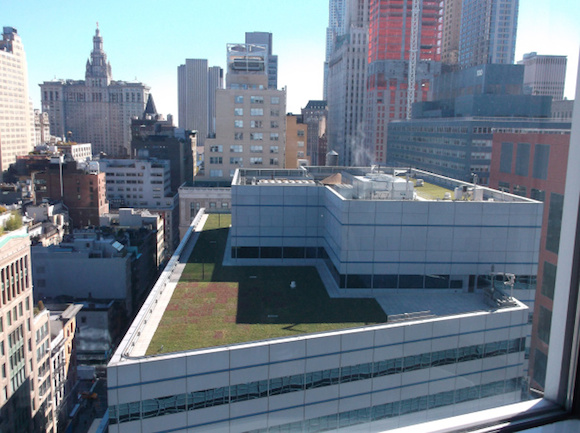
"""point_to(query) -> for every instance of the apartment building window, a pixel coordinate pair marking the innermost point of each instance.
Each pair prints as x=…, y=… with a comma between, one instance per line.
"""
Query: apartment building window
x=300, y=133
x=505, y=162
x=273, y=149
x=273, y=161
x=300, y=144
x=239, y=99
x=238, y=123
x=522, y=159
x=215, y=160
x=216, y=173
x=256, y=161
x=255, y=123
x=238, y=136
x=257, y=99
x=274, y=124
x=256, y=136
x=274, y=113
x=236, y=148
x=257, y=112
x=214, y=148
x=274, y=136
x=275, y=100
x=554, y=222
x=238, y=160
x=238, y=111
x=541, y=159
x=300, y=154
x=256, y=148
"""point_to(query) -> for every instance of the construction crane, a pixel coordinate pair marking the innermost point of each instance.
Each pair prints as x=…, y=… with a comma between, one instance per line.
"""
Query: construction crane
x=413, y=52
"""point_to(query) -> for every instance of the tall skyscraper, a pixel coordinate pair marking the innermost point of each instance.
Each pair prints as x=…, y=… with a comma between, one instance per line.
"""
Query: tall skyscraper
x=488, y=32
x=389, y=64
x=265, y=38
x=544, y=75
x=196, y=86
x=347, y=73
x=17, y=121
x=96, y=110
x=336, y=17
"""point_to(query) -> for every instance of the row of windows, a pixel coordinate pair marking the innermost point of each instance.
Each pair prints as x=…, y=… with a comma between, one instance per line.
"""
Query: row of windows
x=256, y=124
x=239, y=99
x=522, y=162
x=299, y=382
x=14, y=279
x=397, y=408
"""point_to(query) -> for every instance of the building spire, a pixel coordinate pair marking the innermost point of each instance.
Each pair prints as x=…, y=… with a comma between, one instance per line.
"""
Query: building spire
x=98, y=72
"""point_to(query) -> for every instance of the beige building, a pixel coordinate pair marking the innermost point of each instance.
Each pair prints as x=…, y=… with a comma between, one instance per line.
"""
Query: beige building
x=296, y=142
x=16, y=123
x=25, y=382
x=96, y=110
x=250, y=121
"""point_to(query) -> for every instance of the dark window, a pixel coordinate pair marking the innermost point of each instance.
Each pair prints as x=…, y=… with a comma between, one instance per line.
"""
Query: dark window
x=549, y=280
x=522, y=159
x=544, y=324
x=385, y=282
x=358, y=281
x=541, y=159
x=436, y=281
x=538, y=194
x=554, y=222
x=505, y=163
x=411, y=281
x=271, y=252
x=540, y=363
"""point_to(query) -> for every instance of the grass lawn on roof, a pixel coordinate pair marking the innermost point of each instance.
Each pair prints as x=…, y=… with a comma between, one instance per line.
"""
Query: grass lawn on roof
x=215, y=305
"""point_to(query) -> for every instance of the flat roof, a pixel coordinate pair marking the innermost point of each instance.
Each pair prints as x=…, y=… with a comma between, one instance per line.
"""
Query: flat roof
x=199, y=303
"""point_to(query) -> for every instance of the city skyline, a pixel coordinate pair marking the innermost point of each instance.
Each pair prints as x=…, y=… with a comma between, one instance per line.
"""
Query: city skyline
x=138, y=48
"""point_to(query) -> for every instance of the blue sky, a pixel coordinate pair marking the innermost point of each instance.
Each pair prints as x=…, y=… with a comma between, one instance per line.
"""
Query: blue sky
x=148, y=39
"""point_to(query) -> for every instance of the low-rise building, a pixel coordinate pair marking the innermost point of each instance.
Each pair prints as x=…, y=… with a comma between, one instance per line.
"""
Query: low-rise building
x=428, y=249
x=213, y=196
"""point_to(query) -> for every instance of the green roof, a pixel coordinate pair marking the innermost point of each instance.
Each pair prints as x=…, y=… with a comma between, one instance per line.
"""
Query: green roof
x=215, y=305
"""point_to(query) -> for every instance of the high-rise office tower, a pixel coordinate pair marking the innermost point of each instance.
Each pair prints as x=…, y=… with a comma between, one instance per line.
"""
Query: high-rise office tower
x=265, y=38
x=16, y=123
x=96, y=110
x=389, y=64
x=196, y=86
x=347, y=72
x=544, y=75
x=336, y=16
x=488, y=32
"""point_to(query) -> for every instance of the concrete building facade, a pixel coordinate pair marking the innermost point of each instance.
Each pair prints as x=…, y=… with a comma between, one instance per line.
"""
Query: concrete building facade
x=17, y=135
x=544, y=75
x=196, y=86
x=95, y=110
x=252, y=126
x=296, y=153
x=265, y=38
